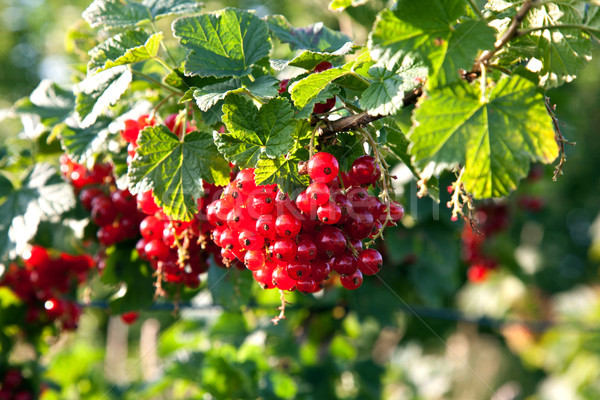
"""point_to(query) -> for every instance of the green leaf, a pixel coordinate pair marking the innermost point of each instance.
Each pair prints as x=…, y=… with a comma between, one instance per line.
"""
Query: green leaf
x=309, y=88
x=266, y=86
x=253, y=132
x=283, y=170
x=175, y=169
x=208, y=96
x=494, y=139
x=432, y=36
x=284, y=385
x=81, y=144
x=51, y=103
x=556, y=55
x=129, y=47
x=225, y=43
x=339, y=5
x=98, y=92
x=315, y=37
x=42, y=195
x=112, y=14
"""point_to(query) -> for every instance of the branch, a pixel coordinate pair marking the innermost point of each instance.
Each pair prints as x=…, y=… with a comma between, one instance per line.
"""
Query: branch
x=560, y=139
x=509, y=33
x=362, y=119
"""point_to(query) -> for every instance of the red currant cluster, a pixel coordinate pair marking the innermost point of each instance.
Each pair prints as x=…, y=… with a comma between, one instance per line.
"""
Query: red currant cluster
x=14, y=386
x=45, y=282
x=492, y=218
x=80, y=176
x=177, y=250
x=114, y=212
x=296, y=244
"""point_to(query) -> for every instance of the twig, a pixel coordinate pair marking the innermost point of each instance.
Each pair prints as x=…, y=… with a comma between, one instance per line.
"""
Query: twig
x=353, y=122
x=509, y=33
x=560, y=140
x=475, y=9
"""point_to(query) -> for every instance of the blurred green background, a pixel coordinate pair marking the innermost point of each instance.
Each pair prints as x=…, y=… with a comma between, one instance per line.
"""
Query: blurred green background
x=416, y=336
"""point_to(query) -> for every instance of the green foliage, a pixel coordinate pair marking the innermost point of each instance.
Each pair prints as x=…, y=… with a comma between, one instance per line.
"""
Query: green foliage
x=494, y=135
x=174, y=169
x=129, y=47
x=226, y=43
x=41, y=195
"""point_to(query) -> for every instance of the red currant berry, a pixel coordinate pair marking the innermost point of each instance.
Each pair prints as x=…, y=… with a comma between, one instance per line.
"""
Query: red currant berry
x=230, y=240
x=329, y=213
x=251, y=240
x=152, y=227
x=109, y=235
x=254, y=259
x=307, y=286
x=330, y=241
x=307, y=250
x=244, y=181
x=282, y=280
x=54, y=308
x=131, y=131
x=87, y=195
x=352, y=282
x=346, y=210
x=284, y=250
x=260, y=204
x=264, y=277
x=36, y=257
x=283, y=84
x=345, y=264
x=265, y=226
x=477, y=273
x=287, y=226
x=369, y=261
x=299, y=271
x=12, y=379
x=123, y=201
x=365, y=170
x=323, y=167
x=129, y=317
x=238, y=219
x=304, y=203
x=146, y=203
x=322, y=66
x=318, y=193
x=156, y=250
x=103, y=212
x=320, y=270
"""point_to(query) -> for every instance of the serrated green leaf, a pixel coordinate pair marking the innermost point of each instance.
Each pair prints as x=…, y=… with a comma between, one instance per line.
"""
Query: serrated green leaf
x=208, y=96
x=282, y=171
x=253, y=132
x=98, y=92
x=129, y=47
x=51, y=103
x=112, y=14
x=175, y=169
x=42, y=195
x=559, y=53
x=225, y=43
x=315, y=37
x=309, y=88
x=495, y=140
x=81, y=144
x=433, y=37
x=266, y=86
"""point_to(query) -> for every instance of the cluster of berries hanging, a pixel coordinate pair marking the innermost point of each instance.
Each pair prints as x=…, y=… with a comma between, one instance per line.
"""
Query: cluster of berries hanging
x=491, y=219
x=177, y=250
x=46, y=284
x=296, y=244
x=14, y=385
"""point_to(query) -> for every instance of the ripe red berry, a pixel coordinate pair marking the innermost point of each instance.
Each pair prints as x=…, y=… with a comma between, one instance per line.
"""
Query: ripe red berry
x=369, y=261
x=330, y=241
x=264, y=276
x=352, y=282
x=320, y=270
x=156, y=250
x=322, y=66
x=287, y=226
x=299, y=270
x=477, y=273
x=152, y=227
x=109, y=235
x=307, y=286
x=12, y=379
x=244, y=181
x=284, y=250
x=323, y=167
x=318, y=193
x=304, y=203
x=260, y=204
x=36, y=257
x=365, y=170
x=265, y=226
x=131, y=131
x=129, y=317
x=250, y=240
x=329, y=213
x=123, y=201
x=54, y=308
x=146, y=203
x=103, y=212
x=282, y=280
x=88, y=194
x=254, y=259
x=307, y=250
x=344, y=264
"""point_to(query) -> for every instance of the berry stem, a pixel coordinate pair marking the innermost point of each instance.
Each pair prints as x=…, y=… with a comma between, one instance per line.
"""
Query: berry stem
x=281, y=308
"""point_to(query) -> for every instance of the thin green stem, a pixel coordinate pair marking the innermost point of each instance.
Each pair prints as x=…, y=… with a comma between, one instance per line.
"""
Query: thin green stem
x=162, y=85
x=163, y=63
x=254, y=97
x=475, y=9
x=160, y=104
x=585, y=28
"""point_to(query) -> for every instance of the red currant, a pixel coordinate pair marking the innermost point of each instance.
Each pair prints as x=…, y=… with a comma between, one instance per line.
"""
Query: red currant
x=323, y=167
x=369, y=261
x=352, y=282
